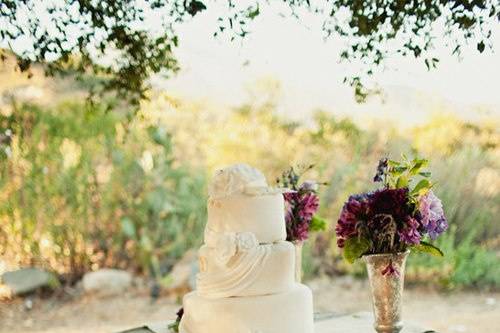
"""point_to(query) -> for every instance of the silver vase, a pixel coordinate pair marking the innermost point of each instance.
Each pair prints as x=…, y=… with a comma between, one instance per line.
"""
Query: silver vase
x=387, y=290
x=298, y=245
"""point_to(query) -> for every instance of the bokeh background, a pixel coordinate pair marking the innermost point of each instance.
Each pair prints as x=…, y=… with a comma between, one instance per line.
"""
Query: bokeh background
x=86, y=186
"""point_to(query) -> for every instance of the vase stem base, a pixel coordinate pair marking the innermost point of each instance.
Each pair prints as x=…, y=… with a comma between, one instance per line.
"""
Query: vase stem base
x=389, y=329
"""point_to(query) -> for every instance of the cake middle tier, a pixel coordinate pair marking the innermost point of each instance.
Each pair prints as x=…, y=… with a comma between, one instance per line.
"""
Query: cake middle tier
x=263, y=215
x=262, y=270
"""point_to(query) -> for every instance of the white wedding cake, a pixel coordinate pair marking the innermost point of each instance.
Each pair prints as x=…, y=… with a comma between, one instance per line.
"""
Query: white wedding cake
x=246, y=282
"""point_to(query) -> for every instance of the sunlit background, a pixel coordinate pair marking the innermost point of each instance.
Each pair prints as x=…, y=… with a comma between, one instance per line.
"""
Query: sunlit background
x=84, y=188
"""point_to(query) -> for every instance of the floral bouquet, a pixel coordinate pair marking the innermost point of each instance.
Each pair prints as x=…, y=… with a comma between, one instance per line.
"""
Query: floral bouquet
x=403, y=214
x=301, y=204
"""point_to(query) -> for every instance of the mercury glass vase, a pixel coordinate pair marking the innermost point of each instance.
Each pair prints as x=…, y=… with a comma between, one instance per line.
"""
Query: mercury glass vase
x=298, y=245
x=387, y=289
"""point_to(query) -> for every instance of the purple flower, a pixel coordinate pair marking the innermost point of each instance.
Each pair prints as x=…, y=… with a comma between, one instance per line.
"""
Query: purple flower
x=409, y=233
x=180, y=314
x=291, y=197
x=309, y=186
x=381, y=170
x=393, y=202
x=355, y=209
x=433, y=218
x=309, y=203
x=300, y=208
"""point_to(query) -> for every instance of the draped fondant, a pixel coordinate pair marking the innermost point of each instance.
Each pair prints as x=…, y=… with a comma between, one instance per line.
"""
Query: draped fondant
x=240, y=272
x=273, y=272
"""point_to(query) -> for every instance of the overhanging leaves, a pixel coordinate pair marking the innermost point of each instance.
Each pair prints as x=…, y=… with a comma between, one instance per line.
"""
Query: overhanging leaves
x=71, y=31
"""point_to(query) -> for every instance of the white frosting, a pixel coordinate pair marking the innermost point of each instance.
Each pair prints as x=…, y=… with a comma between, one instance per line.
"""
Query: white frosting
x=262, y=215
x=290, y=312
x=257, y=270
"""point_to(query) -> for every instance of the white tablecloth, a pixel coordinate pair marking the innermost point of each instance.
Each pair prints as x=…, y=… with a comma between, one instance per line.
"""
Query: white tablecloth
x=326, y=323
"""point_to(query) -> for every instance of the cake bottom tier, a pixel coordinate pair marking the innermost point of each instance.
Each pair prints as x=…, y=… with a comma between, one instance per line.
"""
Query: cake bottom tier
x=288, y=312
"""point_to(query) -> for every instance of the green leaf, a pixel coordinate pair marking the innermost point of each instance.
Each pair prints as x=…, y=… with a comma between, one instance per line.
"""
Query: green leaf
x=393, y=163
x=481, y=46
x=402, y=182
x=425, y=174
x=417, y=165
x=174, y=327
x=254, y=13
x=397, y=170
x=354, y=248
x=423, y=186
x=317, y=224
x=128, y=227
x=429, y=248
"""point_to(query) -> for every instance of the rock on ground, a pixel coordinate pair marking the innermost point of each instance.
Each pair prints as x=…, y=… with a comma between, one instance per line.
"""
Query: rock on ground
x=182, y=277
x=27, y=280
x=107, y=281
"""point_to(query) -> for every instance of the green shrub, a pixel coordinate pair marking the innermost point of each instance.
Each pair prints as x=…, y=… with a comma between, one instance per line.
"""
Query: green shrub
x=465, y=264
x=82, y=189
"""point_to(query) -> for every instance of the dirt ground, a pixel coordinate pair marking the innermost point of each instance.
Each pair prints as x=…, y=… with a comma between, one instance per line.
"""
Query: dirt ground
x=459, y=312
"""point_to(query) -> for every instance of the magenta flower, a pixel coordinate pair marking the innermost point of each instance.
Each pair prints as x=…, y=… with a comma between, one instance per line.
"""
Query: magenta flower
x=309, y=203
x=355, y=209
x=300, y=208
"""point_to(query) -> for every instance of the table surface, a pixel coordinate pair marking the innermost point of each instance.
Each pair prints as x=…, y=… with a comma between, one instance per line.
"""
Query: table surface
x=324, y=323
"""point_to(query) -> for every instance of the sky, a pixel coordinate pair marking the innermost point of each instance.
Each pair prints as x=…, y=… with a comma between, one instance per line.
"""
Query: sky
x=295, y=54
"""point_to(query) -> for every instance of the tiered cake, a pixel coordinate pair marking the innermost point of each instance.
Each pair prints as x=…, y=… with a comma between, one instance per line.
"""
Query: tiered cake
x=246, y=281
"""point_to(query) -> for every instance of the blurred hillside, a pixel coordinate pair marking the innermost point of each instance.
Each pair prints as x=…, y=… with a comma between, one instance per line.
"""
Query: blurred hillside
x=34, y=86
x=83, y=187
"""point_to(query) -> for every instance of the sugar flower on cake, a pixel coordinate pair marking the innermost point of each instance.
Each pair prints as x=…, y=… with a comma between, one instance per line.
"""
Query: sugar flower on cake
x=226, y=247
x=239, y=179
x=301, y=205
x=246, y=241
x=403, y=214
x=235, y=179
x=230, y=243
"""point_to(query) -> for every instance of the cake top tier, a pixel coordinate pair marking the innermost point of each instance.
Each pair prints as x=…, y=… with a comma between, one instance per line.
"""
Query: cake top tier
x=239, y=179
x=241, y=201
